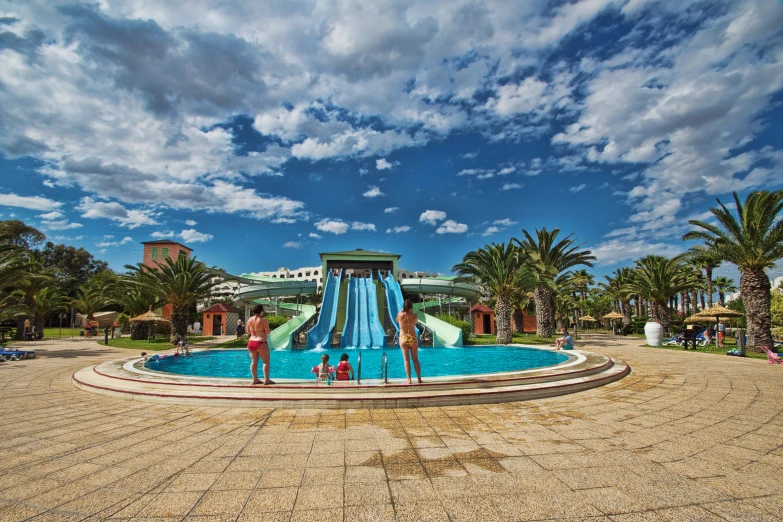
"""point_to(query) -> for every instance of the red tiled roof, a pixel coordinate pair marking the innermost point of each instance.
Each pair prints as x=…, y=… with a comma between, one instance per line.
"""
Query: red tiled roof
x=220, y=307
x=478, y=307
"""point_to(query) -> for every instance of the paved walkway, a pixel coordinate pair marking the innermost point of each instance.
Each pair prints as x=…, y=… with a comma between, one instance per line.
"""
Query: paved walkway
x=687, y=436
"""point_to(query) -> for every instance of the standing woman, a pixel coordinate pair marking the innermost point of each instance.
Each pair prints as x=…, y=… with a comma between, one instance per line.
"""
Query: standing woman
x=258, y=345
x=409, y=344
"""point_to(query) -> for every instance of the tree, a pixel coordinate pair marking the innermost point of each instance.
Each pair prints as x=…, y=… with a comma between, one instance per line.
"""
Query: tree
x=706, y=259
x=181, y=283
x=776, y=307
x=74, y=265
x=548, y=259
x=499, y=270
x=19, y=234
x=135, y=297
x=48, y=301
x=657, y=279
x=615, y=288
x=35, y=280
x=724, y=285
x=752, y=239
x=96, y=294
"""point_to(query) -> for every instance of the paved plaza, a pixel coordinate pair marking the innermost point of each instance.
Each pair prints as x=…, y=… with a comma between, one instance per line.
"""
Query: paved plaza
x=686, y=436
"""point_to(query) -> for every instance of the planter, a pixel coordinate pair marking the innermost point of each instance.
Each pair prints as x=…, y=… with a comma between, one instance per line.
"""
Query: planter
x=654, y=333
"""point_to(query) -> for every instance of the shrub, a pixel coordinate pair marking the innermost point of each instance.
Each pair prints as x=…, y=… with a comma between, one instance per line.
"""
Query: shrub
x=275, y=320
x=462, y=325
x=637, y=325
x=124, y=321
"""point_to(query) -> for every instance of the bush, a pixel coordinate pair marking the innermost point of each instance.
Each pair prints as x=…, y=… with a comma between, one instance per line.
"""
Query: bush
x=462, y=325
x=275, y=320
x=637, y=325
x=124, y=321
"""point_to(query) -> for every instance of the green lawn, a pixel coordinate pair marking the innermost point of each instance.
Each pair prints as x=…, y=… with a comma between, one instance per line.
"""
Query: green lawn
x=234, y=343
x=517, y=338
x=157, y=344
x=729, y=343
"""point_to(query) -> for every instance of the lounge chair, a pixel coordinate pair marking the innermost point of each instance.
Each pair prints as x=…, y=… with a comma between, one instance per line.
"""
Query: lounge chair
x=772, y=357
x=16, y=355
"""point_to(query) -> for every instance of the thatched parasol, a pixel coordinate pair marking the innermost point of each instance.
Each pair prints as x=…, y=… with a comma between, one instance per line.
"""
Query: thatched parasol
x=588, y=318
x=612, y=316
x=150, y=317
x=718, y=311
x=696, y=318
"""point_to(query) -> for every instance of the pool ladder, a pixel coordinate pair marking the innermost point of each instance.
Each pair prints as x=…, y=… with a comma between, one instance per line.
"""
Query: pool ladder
x=359, y=369
x=384, y=369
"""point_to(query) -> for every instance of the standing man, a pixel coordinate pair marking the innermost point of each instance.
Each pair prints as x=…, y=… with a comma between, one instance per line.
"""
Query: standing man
x=26, y=328
x=409, y=344
x=721, y=330
x=240, y=328
x=258, y=345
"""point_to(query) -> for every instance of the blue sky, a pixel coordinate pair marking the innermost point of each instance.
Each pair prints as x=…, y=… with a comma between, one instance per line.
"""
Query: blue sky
x=262, y=133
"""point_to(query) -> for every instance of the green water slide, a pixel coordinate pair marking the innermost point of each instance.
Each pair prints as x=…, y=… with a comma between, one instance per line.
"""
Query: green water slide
x=443, y=333
x=282, y=337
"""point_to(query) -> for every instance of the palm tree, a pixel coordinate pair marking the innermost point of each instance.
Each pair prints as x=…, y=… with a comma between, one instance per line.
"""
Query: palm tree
x=36, y=278
x=135, y=298
x=706, y=259
x=548, y=259
x=724, y=285
x=615, y=288
x=91, y=299
x=182, y=283
x=47, y=301
x=753, y=240
x=656, y=279
x=499, y=270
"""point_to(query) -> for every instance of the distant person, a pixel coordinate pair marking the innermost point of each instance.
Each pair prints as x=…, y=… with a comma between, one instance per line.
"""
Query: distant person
x=344, y=369
x=197, y=327
x=26, y=328
x=223, y=329
x=721, y=331
x=565, y=341
x=88, y=328
x=258, y=345
x=409, y=344
x=114, y=327
x=323, y=371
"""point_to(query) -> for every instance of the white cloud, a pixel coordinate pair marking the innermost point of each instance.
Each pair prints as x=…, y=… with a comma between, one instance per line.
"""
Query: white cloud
x=335, y=226
x=491, y=230
x=506, y=170
x=314, y=235
x=616, y=250
x=470, y=155
x=292, y=244
x=431, y=217
x=60, y=225
x=124, y=241
x=163, y=235
x=29, y=202
x=479, y=173
x=284, y=220
x=357, y=225
x=506, y=222
x=374, y=192
x=51, y=216
x=190, y=223
x=578, y=188
x=511, y=186
x=382, y=164
x=92, y=209
x=398, y=230
x=193, y=236
x=451, y=227
x=390, y=210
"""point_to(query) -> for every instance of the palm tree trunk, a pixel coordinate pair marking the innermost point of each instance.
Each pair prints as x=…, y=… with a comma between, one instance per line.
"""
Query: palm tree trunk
x=660, y=314
x=710, y=289
x=519, y=320
x=179, y=320
x=502, y=318
x=545, y=312
x=755, y=293
x=721, y=298
x=686, y=304
x=139, y=330
x=701, y=299
x=695, y=300
x=626, y=308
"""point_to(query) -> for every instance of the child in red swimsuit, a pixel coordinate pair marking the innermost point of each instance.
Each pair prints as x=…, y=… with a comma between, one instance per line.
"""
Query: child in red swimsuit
x=344, y=369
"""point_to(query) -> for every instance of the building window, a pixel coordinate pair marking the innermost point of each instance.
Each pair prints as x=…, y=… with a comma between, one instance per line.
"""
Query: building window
x=154, y=253
x=164, y=252
x=299, y=274
x=315, y=273
x=182, y=253
x=307, y=274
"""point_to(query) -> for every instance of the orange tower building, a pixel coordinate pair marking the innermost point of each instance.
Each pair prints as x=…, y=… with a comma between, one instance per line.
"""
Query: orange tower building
x=156, y=252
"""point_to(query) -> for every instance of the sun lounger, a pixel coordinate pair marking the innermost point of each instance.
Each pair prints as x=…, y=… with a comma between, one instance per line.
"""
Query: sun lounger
x=772, y=357
x=16, y=355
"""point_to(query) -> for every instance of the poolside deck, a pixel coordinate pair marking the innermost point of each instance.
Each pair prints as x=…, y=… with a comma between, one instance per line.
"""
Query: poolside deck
x=686, y=436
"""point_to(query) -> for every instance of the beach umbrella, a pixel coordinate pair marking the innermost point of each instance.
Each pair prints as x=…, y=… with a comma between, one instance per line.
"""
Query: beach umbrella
x=588, y=319
x=612, y=316
x=150, y=317
x=714, y=313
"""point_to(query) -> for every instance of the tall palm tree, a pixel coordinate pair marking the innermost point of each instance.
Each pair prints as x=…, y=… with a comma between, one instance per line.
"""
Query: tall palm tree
x=47, y=301
x=724, y=285
x=182, y=283
x=753, y=240
x=548, y=258
x=615, y=288
x=36, y=278
x=705, y=259
x=135, y=298
x=656, y=279
x=499, y=270
x=91, y=299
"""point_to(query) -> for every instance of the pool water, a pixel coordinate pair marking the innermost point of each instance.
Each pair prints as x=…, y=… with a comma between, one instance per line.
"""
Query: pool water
x=297, y=364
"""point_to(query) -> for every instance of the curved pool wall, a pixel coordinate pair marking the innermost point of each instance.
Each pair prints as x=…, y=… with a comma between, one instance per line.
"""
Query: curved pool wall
x=296, y=364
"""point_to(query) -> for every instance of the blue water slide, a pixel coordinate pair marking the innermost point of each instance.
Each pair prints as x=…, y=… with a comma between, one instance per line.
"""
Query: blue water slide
x=394, y=300
x=377, y=335
x=320, y=335
x=364, y=323
x=351, y=315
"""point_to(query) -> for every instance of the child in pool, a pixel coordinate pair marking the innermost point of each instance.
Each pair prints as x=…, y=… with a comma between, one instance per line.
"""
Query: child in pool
x=344, y=369
x=324, y=370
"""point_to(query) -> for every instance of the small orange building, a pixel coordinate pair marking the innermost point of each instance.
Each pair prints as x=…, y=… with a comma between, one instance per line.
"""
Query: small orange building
x=156, y=252
x=483, y=319
x=220, y=319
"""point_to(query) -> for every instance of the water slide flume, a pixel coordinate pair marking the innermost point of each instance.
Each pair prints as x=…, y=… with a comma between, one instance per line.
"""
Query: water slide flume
x=362, y=324
x=320, y=335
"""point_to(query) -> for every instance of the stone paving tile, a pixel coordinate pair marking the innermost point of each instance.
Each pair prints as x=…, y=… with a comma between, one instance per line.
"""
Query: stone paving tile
x=684, y=437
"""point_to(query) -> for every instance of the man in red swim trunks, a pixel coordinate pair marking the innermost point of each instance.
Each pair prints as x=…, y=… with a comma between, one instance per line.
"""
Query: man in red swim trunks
x=258, y=328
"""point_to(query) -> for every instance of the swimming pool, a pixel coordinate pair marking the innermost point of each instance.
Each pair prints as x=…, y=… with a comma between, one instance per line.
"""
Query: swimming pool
x=297, y=364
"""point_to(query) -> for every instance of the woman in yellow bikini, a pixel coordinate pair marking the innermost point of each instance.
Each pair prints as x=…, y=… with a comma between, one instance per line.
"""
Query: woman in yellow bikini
x=409, y=344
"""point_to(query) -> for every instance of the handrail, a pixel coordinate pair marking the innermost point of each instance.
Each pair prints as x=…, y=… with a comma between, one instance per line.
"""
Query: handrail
x=384, y=376
x=359, y=369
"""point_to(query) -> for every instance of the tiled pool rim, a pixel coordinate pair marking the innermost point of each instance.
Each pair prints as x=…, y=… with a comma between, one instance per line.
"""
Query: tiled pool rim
x=128, y=379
